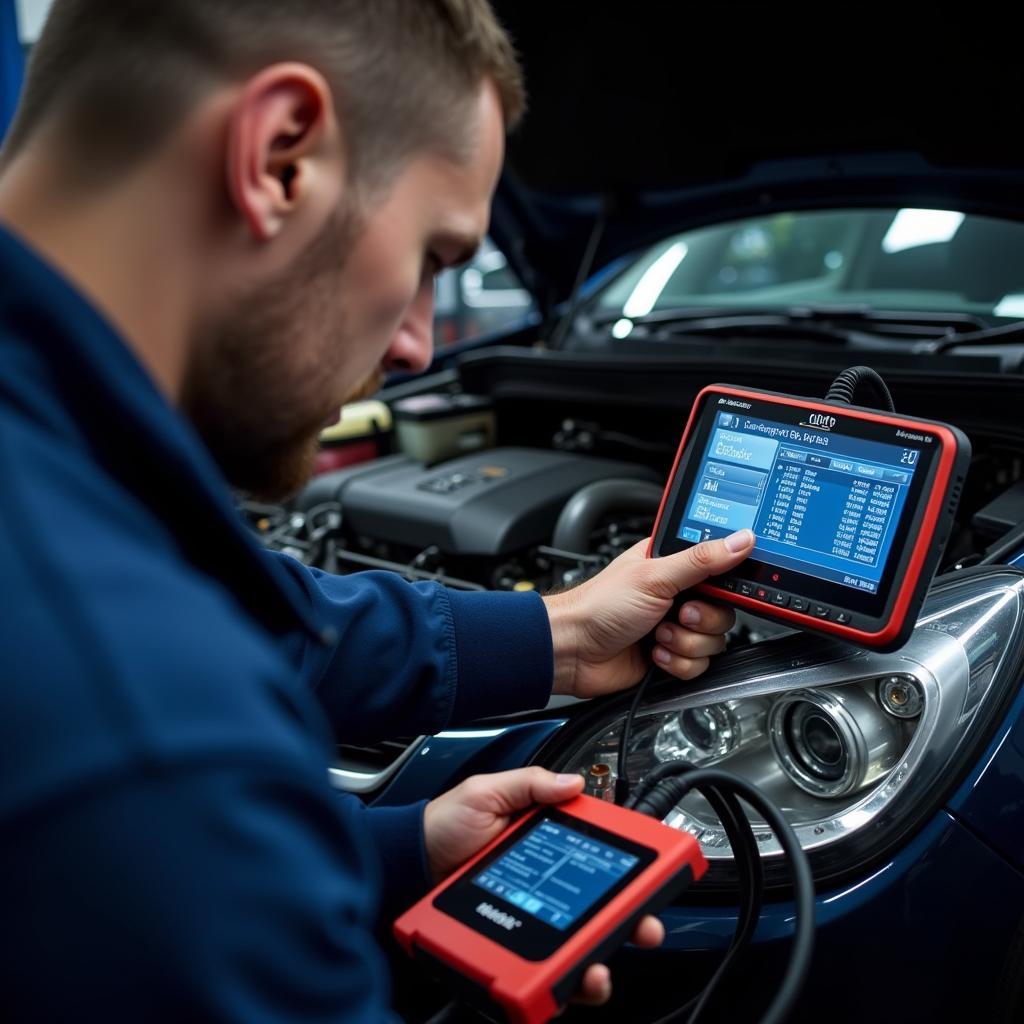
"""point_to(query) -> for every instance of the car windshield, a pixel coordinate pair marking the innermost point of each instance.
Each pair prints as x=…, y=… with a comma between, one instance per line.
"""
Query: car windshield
x=938, y=261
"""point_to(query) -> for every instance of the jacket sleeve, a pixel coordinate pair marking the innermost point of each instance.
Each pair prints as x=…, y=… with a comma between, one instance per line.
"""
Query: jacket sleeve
x=397, y=835
x=415, y=658
x=242, y=890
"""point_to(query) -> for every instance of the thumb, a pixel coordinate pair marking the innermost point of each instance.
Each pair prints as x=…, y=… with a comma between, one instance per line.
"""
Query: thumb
x=524, y=787
x=710, y=558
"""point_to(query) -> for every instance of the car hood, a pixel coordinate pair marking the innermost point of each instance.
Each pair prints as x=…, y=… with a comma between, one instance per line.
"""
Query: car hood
x=652, y=117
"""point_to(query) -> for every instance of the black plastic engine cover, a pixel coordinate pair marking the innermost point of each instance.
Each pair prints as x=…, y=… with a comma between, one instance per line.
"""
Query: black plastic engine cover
x=490, y=503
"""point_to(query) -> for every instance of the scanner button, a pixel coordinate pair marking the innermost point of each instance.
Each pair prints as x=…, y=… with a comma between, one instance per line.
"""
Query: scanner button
x=820, y=611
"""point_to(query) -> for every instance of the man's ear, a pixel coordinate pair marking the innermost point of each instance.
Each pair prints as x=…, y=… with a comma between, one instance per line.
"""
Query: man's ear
x=284, y=160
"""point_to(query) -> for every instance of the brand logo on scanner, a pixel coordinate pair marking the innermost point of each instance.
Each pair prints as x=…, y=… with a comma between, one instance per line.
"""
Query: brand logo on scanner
x=499, y=917
x=820, y=421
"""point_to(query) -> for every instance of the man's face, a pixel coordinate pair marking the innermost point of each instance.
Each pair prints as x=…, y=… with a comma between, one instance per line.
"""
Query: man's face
x=358, y=302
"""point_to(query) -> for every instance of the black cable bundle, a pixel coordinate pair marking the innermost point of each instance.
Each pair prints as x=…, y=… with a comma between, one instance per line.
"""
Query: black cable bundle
x=661, y=790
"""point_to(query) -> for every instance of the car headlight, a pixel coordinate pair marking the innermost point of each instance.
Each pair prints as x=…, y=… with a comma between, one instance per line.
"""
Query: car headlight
x=857, y=747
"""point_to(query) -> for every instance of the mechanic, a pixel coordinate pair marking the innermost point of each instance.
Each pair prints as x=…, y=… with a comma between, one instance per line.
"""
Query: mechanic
x=222, y=218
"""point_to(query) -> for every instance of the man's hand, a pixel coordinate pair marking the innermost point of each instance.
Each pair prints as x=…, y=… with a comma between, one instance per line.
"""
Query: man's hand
x=596, y=627
x=465, y=819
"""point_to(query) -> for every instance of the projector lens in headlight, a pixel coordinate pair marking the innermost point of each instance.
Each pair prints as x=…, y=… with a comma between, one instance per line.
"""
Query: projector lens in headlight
x=831, y=743
x=818, y=742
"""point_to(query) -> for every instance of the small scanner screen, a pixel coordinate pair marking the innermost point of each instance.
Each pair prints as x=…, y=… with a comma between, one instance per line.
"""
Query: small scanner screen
x=554, y=873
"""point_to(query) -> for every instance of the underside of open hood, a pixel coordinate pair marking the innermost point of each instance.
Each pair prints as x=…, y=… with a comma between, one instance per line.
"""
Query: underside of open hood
x=653, y=117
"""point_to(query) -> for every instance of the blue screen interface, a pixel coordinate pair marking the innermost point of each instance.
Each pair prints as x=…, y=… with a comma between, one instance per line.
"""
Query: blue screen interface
x=555, y=873
x=819, y=503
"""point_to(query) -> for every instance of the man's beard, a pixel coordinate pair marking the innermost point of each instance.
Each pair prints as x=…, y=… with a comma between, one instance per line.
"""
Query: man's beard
x=257, y=404
x=370, y=385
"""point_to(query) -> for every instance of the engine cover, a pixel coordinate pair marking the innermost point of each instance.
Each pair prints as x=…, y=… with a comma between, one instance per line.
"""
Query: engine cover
x=490, y=503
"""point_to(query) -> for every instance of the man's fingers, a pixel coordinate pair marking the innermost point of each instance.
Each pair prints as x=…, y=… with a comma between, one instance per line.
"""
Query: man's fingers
x=680, y=667
x=650, y=932
x=596, y=987
x=505, y=792
x=707, y=618
x=674, y=573
x=687, y=644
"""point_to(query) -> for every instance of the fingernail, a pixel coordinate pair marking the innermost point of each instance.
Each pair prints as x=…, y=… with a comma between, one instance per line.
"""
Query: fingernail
x=738, y=541
x=566, y=779
x=689, y=615
x=662, y=656
x=663, y=635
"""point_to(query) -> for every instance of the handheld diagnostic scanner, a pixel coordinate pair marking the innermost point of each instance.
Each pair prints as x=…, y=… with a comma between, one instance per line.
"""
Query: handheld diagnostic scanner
x=559, y=890
x=851, y=508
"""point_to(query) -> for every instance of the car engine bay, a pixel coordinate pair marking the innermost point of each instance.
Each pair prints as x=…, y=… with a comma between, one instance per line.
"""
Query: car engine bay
x=584, y=445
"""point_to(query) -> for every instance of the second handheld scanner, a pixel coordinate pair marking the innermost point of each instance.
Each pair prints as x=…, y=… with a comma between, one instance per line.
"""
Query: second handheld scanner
x=851, y=508
x=516, y=927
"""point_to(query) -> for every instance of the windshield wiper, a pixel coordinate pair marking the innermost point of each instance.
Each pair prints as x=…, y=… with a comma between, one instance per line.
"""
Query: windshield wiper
x=1007, y=334
x=766, y=325
x=838, y=323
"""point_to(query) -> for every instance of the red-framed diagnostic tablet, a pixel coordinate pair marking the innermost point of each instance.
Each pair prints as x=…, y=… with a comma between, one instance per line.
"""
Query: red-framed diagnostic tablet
x=851, y=508
x=560, y=889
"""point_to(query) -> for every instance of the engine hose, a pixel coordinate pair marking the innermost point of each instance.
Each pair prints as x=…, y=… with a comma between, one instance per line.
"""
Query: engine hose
x=582, y=513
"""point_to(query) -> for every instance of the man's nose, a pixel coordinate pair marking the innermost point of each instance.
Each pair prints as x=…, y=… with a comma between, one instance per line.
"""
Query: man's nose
x=412, y=348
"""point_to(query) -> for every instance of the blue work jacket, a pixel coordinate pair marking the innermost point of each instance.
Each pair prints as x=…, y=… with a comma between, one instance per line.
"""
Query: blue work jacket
x=170, y=696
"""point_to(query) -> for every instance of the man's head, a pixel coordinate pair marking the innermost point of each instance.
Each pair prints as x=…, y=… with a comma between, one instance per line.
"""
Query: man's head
x=340, y=153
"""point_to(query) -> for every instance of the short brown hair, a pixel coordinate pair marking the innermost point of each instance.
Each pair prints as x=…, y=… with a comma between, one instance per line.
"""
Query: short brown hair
x=115, y=76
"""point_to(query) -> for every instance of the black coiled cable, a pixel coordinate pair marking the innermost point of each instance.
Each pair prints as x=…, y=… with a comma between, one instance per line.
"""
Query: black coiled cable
x=844, y=387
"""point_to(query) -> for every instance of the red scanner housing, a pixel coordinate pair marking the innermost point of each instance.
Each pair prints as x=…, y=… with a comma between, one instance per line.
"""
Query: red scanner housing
x=881, y=620
x=530, y=985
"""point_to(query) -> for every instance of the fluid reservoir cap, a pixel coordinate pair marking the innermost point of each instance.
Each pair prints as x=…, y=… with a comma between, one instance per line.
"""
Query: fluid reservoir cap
x=358, y=420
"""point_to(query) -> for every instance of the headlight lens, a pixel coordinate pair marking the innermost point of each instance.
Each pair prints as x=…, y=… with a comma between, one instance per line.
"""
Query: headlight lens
x=842, y=739
x=709, y=733
x=833, y=742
